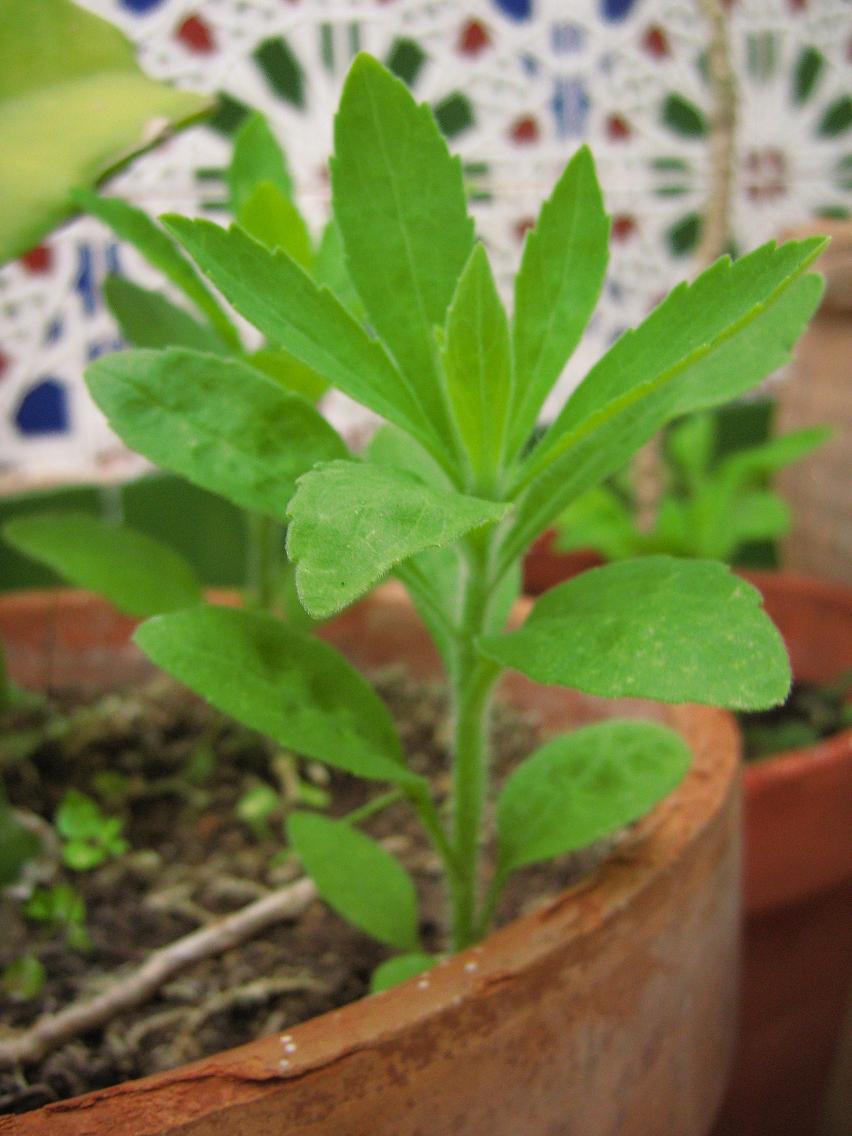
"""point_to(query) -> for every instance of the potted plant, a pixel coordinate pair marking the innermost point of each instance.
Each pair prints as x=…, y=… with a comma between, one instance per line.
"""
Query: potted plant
x=604, y=1012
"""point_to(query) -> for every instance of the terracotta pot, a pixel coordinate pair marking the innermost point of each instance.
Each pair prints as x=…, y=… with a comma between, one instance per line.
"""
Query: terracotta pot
x=609, y=1010
x=545, y=567
x=797, y=964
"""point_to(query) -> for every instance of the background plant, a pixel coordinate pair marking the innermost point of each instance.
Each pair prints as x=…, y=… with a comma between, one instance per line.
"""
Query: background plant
x=449, y=497
x=710, y=505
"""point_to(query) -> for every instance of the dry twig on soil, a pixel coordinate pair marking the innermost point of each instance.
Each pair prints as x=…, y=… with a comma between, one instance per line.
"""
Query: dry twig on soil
x=53, y=1030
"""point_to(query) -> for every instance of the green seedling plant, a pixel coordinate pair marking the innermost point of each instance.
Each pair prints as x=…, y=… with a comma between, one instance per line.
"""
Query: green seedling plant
x=23, y=978
x=449, y=497
x=88, y=836
x=255, y=808
x=708, y=508
x=60, y=908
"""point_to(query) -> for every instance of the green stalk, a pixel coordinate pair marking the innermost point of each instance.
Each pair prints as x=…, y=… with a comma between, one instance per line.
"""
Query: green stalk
x=376, y=805
x=5, y=683
x=489, y=905
x=472, y=681
x=264, y=559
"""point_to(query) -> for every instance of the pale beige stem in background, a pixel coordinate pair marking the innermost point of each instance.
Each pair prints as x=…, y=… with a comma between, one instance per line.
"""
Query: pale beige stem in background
x=716, y=218
x=716, y=225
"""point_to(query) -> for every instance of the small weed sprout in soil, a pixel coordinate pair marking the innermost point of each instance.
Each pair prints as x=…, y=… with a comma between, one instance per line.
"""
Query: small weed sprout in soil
x=449, y=497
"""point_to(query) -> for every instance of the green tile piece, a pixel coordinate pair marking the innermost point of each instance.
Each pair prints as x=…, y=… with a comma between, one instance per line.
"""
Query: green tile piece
x=454, y=114
x=281, y=69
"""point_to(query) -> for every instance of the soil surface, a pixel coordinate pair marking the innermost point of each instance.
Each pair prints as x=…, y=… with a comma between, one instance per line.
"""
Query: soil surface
x=174, y=771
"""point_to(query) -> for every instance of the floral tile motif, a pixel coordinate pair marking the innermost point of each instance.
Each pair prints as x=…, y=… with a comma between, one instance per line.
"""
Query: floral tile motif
x=517, y=86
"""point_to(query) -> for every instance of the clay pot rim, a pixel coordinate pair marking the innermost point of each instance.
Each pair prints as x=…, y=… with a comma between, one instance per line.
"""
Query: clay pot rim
x=791, y=764
x=626, y=878
x=836, y=749
x=833, y=591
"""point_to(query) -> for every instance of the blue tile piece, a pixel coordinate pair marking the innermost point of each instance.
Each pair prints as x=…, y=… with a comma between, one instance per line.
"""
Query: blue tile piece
x=100, y=347
x=570, y=105
x=140, y=7
x=567, y=39
x=53, y=331
x=517, y=9
x=113, y=259
x=84, y=282
x=44, y=409
x=615, y=10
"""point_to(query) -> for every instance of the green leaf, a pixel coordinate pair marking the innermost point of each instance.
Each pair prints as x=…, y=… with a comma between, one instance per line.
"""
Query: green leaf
x=399, y=969
x=218, y=422
x=79, y=816
x=562, y=270
x=477, y=359
x=17, y=844
x=74, y=106
x=583, y=786
x=148, y=319
x=256, y=805
x=351, y=522
x=140, y=230
x=273, y=219
x=288, y=372
x=355, y=876
x=432, y=577
x=773, y=455
x=330, y=269
x=284, y=683
x=758, y=515
x=256, y=158
x=271, y=291
x=690, y=445
x=598, y=519
x=135, y=572
x=724, y=310
x=399, y=202
x=23, y=978
x=705, y=344
x=56, y=906
x=391, y=448
x=674, y=630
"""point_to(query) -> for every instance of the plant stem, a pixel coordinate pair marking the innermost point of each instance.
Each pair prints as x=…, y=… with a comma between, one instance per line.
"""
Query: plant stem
x=375, y=805
x=265, y=553
x=722, y=141
x=5, y=683
x=472, y=680
x=489, y=904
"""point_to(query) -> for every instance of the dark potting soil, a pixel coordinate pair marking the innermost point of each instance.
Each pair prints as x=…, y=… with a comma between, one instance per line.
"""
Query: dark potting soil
x=811, y=713
x=174, y=770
